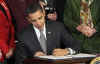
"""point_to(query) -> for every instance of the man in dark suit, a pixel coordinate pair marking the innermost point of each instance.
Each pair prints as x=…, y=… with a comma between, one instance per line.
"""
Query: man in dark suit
x=54, y=33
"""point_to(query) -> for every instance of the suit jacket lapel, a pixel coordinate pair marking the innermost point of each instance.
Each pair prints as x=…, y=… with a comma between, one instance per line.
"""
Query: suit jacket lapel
x=49, y=33
x=33, y=38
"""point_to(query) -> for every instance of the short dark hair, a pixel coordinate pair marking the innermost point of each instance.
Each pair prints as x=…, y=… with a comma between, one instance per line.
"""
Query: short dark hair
x=33, y=8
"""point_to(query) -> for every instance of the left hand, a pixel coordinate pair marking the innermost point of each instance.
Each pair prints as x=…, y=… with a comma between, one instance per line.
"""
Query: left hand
x=86, y=30
x=10, y=53
x=60, y=52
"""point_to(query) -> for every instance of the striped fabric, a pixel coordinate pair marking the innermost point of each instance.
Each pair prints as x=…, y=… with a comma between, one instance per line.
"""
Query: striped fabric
x=85, y=13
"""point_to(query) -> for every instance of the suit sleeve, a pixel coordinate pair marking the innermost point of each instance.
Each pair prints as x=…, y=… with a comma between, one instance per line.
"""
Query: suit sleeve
x=72, y=15
x=68, y=40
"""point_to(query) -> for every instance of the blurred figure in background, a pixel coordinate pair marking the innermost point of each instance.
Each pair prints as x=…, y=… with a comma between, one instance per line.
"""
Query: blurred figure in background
x=6, y=33
x=54, y=9
x=50, y=9
x=18, y=8
x=83, y=20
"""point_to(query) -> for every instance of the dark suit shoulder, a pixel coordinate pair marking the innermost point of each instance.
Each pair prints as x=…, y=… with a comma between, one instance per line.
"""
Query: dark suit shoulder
x=55, y=24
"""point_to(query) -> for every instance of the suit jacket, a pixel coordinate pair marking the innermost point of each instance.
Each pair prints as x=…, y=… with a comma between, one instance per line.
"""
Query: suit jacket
x=6, y=30
x=56, y=35
x=72, y=20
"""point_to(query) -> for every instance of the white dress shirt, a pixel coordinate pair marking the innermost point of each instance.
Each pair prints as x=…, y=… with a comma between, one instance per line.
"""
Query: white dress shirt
x=37, y=31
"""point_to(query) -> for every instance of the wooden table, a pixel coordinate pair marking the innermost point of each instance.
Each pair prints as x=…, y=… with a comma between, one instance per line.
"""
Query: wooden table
x=65, y=61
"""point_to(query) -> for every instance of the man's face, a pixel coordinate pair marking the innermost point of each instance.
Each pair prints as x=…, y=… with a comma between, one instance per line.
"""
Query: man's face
x=37, y=19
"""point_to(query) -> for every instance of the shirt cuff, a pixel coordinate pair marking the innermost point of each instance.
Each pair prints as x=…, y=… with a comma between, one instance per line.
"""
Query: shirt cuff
x=71, y=51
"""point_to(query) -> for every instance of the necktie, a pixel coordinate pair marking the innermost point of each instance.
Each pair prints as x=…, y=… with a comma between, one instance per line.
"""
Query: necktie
x=85, y=13
x=42, y=40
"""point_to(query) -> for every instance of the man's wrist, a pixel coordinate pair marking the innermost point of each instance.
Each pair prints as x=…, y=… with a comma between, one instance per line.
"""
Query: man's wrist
x=71, y=51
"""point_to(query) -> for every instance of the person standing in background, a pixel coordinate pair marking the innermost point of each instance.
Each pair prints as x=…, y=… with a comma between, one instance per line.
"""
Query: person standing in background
x=83, y=20
x=20, y=5
x=55, y=9
x=51, y=13
x=6, y=33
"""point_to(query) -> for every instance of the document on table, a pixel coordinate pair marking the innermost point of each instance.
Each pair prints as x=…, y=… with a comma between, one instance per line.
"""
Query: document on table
x=55, y=57
x=82, y=55
x=67, y=57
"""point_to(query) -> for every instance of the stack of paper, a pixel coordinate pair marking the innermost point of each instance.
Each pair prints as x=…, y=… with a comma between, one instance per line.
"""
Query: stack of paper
x=55, y=57
x=81, y=55
x=68, y=56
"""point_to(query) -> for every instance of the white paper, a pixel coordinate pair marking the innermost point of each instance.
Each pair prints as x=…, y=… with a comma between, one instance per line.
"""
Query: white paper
x=68, y=56
x=55, y=57
x=81, y=55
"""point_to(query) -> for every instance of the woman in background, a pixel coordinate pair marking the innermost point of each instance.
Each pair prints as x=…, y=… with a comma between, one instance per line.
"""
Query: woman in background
x=83, y=20
x=6, y=33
